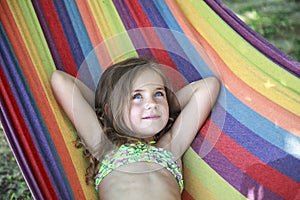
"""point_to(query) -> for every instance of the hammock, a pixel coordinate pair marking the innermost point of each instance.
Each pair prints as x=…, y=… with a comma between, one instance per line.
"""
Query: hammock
x=251, y=139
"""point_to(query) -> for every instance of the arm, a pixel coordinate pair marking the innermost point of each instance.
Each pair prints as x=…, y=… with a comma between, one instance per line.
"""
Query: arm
x=77, y=101
x=196, y=101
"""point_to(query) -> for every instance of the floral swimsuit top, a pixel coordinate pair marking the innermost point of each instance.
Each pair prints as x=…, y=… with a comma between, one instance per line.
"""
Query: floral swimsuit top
x=140, y=152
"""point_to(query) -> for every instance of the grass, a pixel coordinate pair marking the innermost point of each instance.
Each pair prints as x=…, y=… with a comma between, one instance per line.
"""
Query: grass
x=276, y=20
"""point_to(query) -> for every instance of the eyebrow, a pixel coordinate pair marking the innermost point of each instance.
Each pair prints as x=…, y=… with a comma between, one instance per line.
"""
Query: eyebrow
x=141, y=90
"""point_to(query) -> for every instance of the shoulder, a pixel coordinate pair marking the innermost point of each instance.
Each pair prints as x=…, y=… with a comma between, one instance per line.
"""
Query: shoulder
x=165, y=142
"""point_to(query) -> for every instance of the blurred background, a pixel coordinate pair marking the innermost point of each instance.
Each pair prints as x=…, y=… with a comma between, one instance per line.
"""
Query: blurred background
x=278, y=21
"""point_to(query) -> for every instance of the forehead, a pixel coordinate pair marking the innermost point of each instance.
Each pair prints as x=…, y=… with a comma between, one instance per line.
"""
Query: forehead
x=146, y=78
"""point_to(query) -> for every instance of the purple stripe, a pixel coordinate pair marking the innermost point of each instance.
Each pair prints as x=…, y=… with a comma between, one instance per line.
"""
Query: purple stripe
x=69, y=32
x=254, y=38
x=9, y=130
x=129, y=23
x=18, y=153
x=33, y=119
x=48, y=35
x=261, y=148
x=170, y=43
x=228, y=171
x=256, y=145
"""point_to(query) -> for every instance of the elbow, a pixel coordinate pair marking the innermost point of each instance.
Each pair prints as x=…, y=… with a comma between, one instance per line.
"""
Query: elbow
x=209, y=87
x=210, y=83
x=213, y=89
x=55, y=79
x=58, y=81
x=215, y=84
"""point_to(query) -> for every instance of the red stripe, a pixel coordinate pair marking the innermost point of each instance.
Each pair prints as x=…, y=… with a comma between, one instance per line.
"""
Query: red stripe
x=26, y=142
x=186, y=196
x=241, y=158
x=149, y=34
x=94, y=33
x=59, y=36
x=41, y=100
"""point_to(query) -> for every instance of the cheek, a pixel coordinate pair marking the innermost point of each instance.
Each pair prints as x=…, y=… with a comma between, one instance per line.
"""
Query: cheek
x=135, y=114
x=165, y=108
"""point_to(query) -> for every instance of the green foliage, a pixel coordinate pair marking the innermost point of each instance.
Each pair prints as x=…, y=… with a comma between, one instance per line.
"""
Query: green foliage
x=12, y=184
x=276, y=20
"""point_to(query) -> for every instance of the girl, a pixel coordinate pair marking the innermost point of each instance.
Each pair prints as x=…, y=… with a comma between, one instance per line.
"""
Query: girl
x=134, y=128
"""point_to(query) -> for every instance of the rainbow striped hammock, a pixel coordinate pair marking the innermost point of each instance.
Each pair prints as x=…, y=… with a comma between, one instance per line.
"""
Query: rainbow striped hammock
x=251, y=139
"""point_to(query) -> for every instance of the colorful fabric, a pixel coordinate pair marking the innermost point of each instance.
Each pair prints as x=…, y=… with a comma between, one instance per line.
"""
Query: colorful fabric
x=132, y=153
x=250, y=139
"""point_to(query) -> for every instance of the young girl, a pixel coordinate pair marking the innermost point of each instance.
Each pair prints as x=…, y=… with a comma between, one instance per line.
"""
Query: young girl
x=134, y=127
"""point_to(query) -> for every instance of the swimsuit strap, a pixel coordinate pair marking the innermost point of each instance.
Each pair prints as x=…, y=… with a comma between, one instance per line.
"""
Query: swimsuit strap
x=140, y=152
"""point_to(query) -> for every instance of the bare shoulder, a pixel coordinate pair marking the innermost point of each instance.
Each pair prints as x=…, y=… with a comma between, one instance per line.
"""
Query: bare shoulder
x=196, y=99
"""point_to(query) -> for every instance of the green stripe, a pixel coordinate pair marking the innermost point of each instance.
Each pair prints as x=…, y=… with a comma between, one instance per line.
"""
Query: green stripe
x=246, y=51
x=209, y=178
x=41, y=50
x=120, y=37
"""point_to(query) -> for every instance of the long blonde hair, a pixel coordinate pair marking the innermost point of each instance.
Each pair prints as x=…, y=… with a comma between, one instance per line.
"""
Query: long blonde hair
x=112, y=96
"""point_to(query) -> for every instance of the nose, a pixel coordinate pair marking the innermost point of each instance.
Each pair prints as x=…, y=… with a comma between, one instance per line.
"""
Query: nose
x=150, y=104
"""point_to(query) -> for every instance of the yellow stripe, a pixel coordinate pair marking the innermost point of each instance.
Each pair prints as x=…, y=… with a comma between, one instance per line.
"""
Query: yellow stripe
x=32, y=35
x=245, y=61
x=214, y=184
x=37, y=48
x=112, y=30
x=80, y=164
x=195, y=188
x=35, y=43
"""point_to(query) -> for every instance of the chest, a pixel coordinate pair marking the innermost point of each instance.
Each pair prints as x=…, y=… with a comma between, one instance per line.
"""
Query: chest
x=139, y=181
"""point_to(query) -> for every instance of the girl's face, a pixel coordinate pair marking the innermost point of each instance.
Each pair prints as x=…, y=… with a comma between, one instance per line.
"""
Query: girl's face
x=148, y=111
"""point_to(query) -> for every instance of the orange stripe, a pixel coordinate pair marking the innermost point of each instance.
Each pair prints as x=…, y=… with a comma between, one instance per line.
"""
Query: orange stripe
x=15, y=40
x=250, y=97
x=94, y=33
x=39, y=96
x=273, y=112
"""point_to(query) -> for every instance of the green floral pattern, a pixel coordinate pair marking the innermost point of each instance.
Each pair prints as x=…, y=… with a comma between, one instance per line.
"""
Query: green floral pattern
x=140, y=152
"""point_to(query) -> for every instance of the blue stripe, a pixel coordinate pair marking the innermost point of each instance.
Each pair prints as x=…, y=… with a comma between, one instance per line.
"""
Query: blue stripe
x=248, y=117
x=7, y=58
x=90, y=70
x=69, y=32
x=77, y=38
x=265, y=129
x=235, y=176
x=188, y=46
x=262, y=133
x=33, y=119
x=253, y=143
x=78, y=26
x=129, y=24
x=175, y=51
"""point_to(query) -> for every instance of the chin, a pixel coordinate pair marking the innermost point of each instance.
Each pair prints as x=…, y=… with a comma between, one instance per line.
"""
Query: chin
x=148, y=134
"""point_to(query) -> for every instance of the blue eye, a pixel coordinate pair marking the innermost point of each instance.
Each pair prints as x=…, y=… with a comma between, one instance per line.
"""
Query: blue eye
x=137, y=96
x=159, y=94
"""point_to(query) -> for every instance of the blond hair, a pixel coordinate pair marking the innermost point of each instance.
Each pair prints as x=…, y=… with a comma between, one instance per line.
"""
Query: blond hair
x=113, y=94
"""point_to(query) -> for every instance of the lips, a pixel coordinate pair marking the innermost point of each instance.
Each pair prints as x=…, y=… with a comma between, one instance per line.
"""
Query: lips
x=151, y=117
